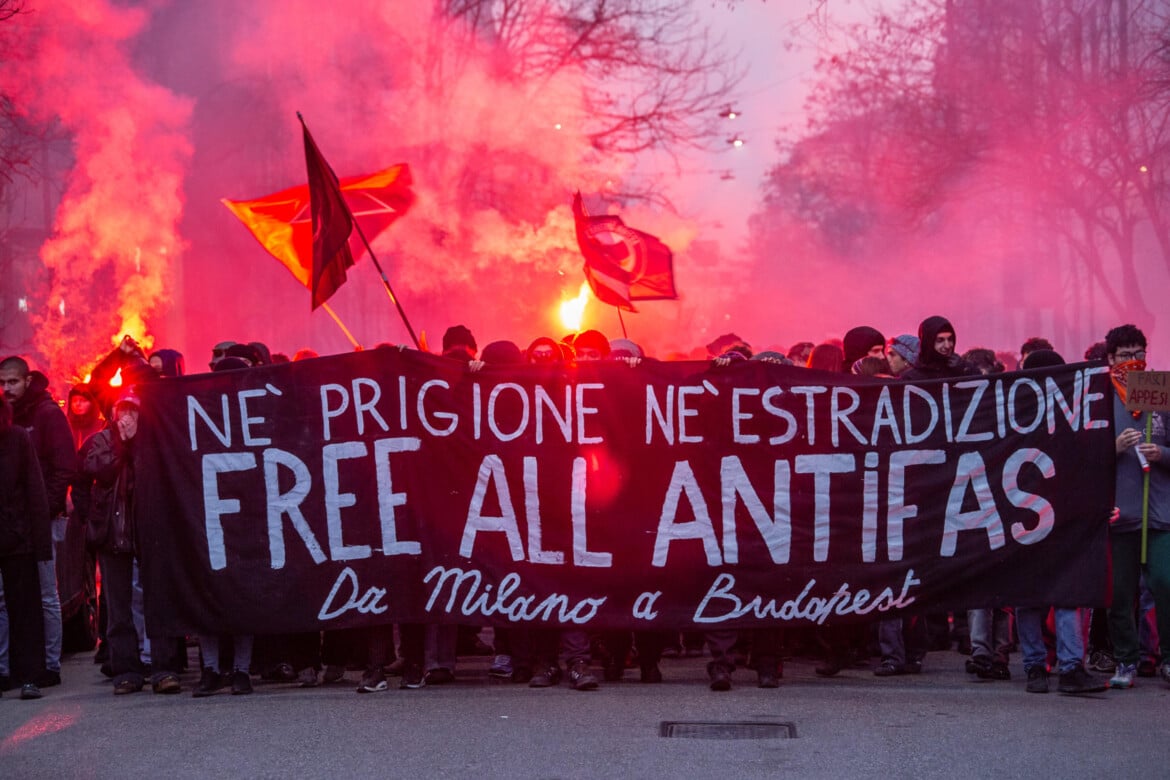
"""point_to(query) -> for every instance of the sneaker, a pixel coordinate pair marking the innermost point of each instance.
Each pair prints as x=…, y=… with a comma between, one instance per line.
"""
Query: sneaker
x=1079, y=681
x=440, y=676
x=501, y=667
x=522, y=674
x=1147, y=668
x=1100, y=661
x=546, y=678
x=888, y=669
x=307, y=678
x=168, y=683
x=122, y=687
x=720, y=678
x=413, y=678
x=1164, y=672
x=210, y=681
x=241, y=683
x=996, y=670
x=30, y=691
x=581, y=679
x=651, y=674
x=1037, y=680
x=373, y=682
x=333, y=673
x=912, y=667
x=1123, y=676
x=768, y=679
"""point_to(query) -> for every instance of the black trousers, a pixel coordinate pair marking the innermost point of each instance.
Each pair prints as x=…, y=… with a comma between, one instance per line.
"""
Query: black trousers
x=26, y=627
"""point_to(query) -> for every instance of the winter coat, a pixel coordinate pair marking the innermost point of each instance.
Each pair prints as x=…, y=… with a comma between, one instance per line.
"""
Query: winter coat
x=932, y=365
x=24, y=505
x=47, y=427
x=108, y=463
x=1129, y=487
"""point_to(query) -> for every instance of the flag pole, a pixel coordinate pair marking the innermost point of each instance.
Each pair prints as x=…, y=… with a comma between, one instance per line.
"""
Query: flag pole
x=365, y=241
x=623, y=322
x=386, y=284
x=329, y=310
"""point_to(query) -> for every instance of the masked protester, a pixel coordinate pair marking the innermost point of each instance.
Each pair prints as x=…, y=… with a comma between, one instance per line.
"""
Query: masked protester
x=1143, y=450
x=108, y=460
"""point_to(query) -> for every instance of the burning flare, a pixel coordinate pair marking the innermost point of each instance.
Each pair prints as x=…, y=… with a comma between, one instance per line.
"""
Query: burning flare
x=572, y=311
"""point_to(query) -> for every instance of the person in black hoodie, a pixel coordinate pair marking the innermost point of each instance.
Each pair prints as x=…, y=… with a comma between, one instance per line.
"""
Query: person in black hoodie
x=85, y=418
x=108, y=460
x=24, y=518
x=34, y=409
x=937, y=356
x=167, y=362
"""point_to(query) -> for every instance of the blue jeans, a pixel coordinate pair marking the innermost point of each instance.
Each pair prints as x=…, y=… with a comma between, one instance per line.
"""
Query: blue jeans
x=440, y=646
x=51, y=607
x=138, y=609
x=1070, y=646
x=241, y=648
x=903, y=639
x=990, y=634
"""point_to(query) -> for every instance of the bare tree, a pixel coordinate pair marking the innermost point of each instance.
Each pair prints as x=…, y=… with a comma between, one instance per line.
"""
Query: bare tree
x=1050, y=116
x=656, y=78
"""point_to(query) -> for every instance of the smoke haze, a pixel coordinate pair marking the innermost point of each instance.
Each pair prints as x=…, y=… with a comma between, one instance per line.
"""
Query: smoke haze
x=172, y=106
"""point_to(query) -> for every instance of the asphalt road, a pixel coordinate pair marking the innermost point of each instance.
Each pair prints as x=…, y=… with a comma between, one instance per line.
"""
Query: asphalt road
x=939, y=724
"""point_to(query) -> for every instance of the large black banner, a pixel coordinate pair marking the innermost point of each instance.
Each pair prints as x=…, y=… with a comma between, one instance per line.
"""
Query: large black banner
x=392, y=485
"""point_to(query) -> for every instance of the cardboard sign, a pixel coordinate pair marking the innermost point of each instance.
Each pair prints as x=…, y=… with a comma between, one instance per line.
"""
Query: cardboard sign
x=1148, y=391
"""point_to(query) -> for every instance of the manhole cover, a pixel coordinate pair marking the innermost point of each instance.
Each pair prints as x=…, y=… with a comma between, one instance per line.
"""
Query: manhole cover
x=726, y=730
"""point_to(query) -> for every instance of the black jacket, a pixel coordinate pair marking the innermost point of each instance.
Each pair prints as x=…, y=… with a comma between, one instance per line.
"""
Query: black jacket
x=107, y=492
x=24, y=507
x=48, y=428
x=932, y=365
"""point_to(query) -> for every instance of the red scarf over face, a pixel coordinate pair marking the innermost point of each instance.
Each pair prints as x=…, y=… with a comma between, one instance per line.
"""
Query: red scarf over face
x=1119, y=373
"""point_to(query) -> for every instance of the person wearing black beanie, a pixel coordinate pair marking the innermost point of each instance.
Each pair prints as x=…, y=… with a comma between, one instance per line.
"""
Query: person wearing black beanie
x=860, y=342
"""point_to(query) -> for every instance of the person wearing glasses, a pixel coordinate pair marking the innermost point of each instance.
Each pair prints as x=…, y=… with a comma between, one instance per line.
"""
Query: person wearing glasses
x=1138, y=455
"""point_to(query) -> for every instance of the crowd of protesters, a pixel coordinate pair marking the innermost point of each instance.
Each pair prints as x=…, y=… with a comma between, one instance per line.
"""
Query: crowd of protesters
x=81, y=460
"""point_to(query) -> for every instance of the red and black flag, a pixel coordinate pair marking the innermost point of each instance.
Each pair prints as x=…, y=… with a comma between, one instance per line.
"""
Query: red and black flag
x=288, y=223
x=332, y=224
x=622, y=264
